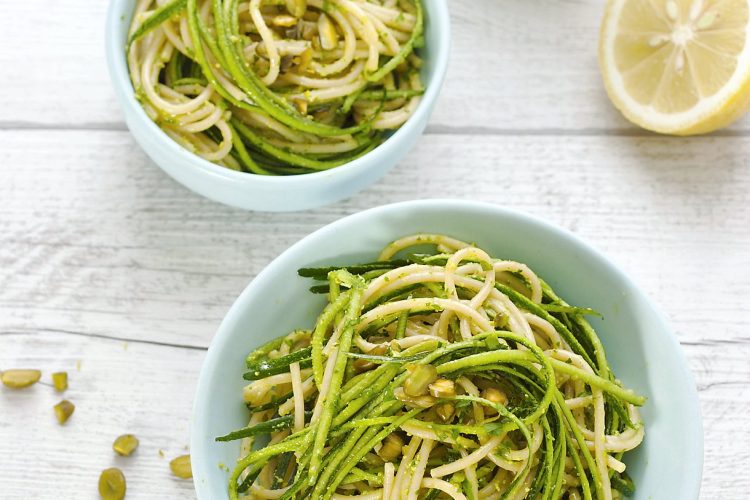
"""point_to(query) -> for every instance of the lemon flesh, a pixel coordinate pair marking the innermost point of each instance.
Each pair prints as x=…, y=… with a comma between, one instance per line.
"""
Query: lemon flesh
x=677, y=66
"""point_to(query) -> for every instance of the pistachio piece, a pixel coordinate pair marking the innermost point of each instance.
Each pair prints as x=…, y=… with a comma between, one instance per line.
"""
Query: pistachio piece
x=284, y=21
x=362, y=365
x=60, y=381
x=112, y=484
x=296, y=8
x=181, y=467
x=496, y=396
x=425, y=401
x=125, y=445
x=391, y=448
x=419, y=380
x=63, y=410
x=18, y=379
x=443, y=388
x=445, y=411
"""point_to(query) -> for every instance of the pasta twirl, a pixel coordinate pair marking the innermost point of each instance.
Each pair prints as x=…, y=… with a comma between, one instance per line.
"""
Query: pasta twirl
x=277, y=87
x=446, y=375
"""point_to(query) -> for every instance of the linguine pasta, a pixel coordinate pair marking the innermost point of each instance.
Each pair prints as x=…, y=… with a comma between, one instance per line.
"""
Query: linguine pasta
x=277, y=86
x=447, y=375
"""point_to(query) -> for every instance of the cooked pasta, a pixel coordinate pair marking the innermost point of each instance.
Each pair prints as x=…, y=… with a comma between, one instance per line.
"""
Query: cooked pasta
x=277, y=86
x=444, y=375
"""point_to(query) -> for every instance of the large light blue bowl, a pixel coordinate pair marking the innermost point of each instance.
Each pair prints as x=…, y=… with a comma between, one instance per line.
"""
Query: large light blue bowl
x=276, y=193
x=643, y=352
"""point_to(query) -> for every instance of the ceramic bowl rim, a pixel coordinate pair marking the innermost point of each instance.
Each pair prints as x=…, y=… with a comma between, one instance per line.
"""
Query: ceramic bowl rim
x=116, y=61
x=260, y=282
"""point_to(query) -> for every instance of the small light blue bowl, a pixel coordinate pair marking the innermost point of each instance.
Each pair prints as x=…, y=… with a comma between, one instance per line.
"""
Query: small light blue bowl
x=276, y=193
x=644, y=353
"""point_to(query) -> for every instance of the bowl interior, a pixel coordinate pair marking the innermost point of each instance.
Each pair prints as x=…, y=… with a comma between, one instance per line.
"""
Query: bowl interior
x=642, y=350
x=434, y=53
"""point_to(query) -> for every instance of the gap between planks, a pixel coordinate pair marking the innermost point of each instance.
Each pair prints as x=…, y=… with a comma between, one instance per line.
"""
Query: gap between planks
x=102, y=336
x=432, y=129
x=684, y=342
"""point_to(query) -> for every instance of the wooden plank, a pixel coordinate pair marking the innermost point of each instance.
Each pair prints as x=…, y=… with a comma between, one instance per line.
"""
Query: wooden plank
x=515, y=65
x=55, y=75
x=724, y=404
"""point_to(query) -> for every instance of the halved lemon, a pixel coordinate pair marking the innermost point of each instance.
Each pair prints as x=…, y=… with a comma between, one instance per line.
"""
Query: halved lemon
x=677, y=66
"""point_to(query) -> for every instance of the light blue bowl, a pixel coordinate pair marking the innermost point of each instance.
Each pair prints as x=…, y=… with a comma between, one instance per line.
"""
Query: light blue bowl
x=276, y=193
x=644, y=353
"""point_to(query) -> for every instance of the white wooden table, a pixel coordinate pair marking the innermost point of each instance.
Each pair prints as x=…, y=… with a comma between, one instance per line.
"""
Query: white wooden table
x=108, y=264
